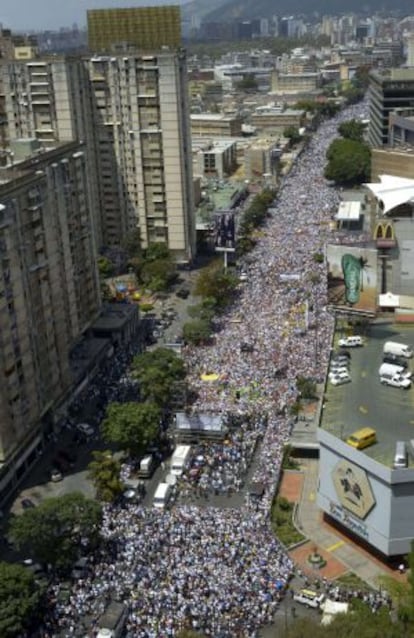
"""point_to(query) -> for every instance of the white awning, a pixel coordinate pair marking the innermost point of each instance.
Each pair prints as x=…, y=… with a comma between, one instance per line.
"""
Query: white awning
x=389, y=300
x=392, y=191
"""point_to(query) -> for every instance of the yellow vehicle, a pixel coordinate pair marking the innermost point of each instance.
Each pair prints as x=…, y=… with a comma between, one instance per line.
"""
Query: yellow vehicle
x=362, y=438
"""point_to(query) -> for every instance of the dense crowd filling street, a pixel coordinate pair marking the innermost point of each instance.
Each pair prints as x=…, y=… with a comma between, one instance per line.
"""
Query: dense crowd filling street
x=221, y=571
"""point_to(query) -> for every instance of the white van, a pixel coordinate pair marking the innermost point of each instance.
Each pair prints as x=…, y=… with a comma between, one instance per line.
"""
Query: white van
x=396, y=381
x=162, y=495
x=400, y=349
x=180, y=459
x=146, y=466
x=401, y=457
x=308, y=597
x=393, y=370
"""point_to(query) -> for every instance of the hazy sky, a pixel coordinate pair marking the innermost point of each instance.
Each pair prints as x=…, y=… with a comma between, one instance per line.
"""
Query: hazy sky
x=52, y=14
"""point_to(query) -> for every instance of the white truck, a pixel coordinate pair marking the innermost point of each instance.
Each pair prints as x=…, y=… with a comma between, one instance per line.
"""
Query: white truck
x=180, y=458
x=399, y=349
x=393, y=370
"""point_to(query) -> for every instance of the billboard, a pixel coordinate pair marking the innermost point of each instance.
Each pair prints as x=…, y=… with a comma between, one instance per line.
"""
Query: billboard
x=353, y=488
x=225, y=231
x=352, y=277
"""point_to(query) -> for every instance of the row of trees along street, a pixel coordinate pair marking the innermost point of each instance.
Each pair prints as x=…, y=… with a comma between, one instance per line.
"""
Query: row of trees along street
x=59, y=530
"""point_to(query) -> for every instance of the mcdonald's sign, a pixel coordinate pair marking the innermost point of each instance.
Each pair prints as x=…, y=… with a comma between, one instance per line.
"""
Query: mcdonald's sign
x=384, y=235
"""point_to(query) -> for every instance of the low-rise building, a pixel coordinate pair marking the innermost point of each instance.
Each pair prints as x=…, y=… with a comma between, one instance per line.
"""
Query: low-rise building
x=215, y=158
x=215, y=125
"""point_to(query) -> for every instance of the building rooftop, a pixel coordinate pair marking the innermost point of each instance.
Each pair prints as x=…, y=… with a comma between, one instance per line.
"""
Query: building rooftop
x=365, y=402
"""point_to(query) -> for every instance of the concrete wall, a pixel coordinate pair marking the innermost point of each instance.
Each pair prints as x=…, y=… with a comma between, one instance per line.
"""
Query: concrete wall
x=388, y=526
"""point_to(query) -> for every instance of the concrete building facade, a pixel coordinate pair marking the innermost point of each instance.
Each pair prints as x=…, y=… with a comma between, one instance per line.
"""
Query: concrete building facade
x=132, y=112
x=215, y=125
x=388, y=91
x=49, y=294
x=216, y=158
x=144, y=28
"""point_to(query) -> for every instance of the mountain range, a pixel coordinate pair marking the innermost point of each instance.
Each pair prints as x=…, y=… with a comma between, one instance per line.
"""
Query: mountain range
x=226, y=10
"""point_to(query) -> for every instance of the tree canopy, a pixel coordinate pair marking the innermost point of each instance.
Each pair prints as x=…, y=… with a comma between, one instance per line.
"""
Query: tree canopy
x=361, y=622
x=104, y=471
x=214, y=282
x=197, y=331
x=352, y=130
x=154, y=266
x=55, y=530
x=158, y=372
x=349, y=162
x=292, y=133
x=131, y=426
x=20, y=599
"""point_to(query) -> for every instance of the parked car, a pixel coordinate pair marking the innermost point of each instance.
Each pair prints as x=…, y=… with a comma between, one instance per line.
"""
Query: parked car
x=243, y=276
x=340, y=358
x=85, y=429
x=183, y=293
x=340, y=379
x=351, y=342
x=337, y=372
x=396, y=381
x=395, y=359
x=55, y=475
x=61, y=464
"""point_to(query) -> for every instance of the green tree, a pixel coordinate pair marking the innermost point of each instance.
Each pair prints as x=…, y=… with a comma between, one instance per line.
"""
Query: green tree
x=306, y=388
x=352, y=94
x=352, y=130
x=204, y=310
x=104, y=472
x=158, y=373
x=216, y=283
x=55, y=530
x=158, y=274
x=360, y=621
x=131, y=426
x=105, y=266
x=292, y=133
x=197, y=331
x=349, y=162
x=156, y=251
x=20, y=600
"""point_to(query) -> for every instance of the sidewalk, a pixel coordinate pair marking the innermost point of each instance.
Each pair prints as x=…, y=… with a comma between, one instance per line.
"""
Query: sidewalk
x=341, y=553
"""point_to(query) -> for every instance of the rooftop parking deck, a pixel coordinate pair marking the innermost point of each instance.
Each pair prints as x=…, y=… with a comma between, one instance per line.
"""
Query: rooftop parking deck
x=365, y=402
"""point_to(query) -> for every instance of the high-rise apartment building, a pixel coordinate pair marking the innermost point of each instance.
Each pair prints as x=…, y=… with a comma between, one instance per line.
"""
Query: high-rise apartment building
x=132, y=112
x=140, y=28
x=388, y=90
x=144, y=148
x=49, y=293
x=49, y=99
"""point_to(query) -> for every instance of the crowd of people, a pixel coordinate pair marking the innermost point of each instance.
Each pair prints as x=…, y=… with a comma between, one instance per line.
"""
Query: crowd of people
x=221, y=571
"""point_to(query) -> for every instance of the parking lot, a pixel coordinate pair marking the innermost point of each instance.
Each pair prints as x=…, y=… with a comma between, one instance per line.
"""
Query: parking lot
x=365, y=402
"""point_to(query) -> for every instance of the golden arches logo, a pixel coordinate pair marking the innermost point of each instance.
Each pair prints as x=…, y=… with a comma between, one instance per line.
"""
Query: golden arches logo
x=384, y=230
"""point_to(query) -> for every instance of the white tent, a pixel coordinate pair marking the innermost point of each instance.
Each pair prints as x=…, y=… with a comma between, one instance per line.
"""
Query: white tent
x=392, y=191
x=331, y=608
